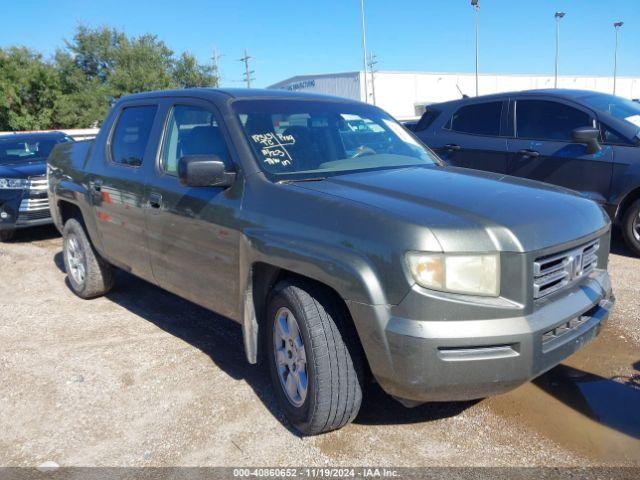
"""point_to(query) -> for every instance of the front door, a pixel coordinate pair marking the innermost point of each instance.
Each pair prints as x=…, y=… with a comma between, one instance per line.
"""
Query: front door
x=543, y=148
x=193, y=233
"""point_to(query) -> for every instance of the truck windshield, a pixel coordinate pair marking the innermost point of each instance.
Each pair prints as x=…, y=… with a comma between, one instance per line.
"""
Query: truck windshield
x=296, y=139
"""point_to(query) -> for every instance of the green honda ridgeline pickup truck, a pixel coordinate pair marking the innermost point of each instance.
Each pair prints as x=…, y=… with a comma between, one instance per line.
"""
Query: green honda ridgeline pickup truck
x=340, y=243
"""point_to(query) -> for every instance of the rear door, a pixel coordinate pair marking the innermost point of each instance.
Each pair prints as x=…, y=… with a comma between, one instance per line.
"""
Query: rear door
x=193, y=233
x=471, y=137
x=117, y=184
x=542, y=147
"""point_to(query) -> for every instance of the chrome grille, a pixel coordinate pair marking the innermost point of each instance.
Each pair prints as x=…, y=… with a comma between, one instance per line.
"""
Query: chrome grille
x=34, y=204
x=26, y=217
x=38, y=184
x=36, y=199
x=554, y=272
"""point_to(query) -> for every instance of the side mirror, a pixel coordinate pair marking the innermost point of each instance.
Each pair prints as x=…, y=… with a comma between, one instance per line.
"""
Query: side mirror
x=204, y=171
x=589, y=136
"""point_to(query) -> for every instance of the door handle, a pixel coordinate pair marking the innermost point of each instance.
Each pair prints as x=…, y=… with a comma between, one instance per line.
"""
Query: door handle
x=155, y=200
x=452, y=147
x=529, y=153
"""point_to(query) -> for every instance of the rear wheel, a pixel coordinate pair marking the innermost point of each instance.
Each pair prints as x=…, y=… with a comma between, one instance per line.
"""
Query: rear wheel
x=315, y=373
x=89, y=274
x=6, y=235
x=631, y=227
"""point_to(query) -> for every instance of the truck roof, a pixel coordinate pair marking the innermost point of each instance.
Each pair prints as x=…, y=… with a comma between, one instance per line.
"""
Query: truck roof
x=238, y=93
x=555, y=92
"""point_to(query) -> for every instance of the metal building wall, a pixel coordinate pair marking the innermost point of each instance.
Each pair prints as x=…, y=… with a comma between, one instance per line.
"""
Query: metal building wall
x=404, y=93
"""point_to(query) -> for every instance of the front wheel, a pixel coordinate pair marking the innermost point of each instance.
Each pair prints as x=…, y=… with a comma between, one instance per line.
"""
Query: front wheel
x=631, y=227
x=315, y=374
x=89, y=274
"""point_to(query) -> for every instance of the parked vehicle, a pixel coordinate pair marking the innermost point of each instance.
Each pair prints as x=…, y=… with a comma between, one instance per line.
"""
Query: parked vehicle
x=585, y=141
x=340, y=251
x=23, y=184
x=410, y=124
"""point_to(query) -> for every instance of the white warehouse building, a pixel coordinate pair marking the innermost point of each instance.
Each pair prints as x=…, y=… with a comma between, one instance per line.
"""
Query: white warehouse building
x=404, y=94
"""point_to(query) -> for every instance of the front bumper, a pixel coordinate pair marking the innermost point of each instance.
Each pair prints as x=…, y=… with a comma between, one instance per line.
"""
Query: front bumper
x=447, y=360
x=24, y=208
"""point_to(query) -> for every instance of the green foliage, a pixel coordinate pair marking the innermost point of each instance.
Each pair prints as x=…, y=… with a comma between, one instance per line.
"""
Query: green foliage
x=187, y=73
x=29, y=89
x=76, y=88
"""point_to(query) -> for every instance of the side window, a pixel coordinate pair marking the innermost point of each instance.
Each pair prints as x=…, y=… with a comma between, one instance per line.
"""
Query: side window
x=191, y=131
x=478, y=119
x=613, y=137
x=131, y=135
x=427, y=119
x=544, y=120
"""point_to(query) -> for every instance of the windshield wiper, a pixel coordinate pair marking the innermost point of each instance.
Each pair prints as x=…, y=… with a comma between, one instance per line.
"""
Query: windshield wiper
x=293, y=180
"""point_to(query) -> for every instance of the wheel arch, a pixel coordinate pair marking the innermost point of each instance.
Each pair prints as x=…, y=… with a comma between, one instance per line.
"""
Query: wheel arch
x=346, y=278
x=68, y=210
x=266, y=277
x=626, y=202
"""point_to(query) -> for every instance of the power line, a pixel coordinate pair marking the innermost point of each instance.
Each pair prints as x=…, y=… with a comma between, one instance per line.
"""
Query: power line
x=248, y=74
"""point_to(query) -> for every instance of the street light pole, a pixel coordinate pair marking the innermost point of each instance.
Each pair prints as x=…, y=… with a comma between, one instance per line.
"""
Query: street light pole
x=364, y=52
x=559, y=16
x=476, y=8
x=617, y=26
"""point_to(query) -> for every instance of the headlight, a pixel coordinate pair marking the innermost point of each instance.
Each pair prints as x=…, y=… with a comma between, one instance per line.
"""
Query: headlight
x=468, y=274
x=13, y=183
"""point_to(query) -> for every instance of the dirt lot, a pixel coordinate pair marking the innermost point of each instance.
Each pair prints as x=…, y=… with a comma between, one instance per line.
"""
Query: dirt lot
x=141, y=377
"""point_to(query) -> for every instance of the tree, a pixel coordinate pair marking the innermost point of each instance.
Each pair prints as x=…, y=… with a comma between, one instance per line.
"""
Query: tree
x=29, y=90
x=187, y=73
x=141, y=64
x=83, y=100
x=76, y=88
x=94, y=50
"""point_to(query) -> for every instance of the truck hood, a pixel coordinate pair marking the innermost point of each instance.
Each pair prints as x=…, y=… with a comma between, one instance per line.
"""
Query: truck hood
x=23, y=169
x=471, y=211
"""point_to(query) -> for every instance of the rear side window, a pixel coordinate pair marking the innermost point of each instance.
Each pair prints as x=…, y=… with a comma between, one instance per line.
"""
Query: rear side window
x=131, y=135
x=427, y=119
x=545, y=120
x=478, y=119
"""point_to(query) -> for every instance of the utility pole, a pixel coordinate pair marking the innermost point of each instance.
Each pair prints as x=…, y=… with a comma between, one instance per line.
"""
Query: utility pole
x=559, y=16
x=247, y=73
x=216, y=66
x=476, y=8
x=364, y=51
x=617, y=26
x=373, y=61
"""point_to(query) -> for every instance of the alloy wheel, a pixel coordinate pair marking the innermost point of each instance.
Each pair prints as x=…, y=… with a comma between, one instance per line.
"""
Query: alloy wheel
x=290, y=357
x=76, y=260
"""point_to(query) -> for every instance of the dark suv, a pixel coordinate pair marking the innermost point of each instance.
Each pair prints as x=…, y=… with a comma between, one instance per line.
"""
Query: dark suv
x=585, y=141
x=23, y=181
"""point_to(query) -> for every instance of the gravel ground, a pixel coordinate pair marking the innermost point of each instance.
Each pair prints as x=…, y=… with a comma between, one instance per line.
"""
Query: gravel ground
x=143, y=378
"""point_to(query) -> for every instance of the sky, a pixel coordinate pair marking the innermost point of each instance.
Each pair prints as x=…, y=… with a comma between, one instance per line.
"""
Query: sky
x=296, y=37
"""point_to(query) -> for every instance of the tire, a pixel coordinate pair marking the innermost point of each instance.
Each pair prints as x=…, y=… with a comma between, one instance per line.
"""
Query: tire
x=333, y=360
x=631, y=227
x=6, y=235
x=89, y=274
